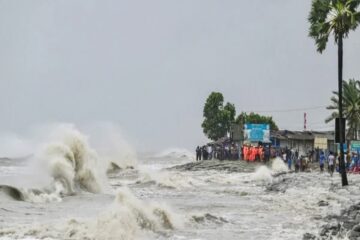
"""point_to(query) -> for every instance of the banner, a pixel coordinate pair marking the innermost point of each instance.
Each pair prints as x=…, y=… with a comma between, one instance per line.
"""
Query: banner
x=257, y=132
x=355, y=146
x=320, y=143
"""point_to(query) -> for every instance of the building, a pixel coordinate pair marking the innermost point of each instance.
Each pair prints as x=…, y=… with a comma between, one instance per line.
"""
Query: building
x=303, y=141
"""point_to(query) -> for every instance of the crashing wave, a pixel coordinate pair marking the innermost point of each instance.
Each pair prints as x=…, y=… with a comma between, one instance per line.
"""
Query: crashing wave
x=67, y=165
x=278, y=166
x=262, y=174
x=72, y=162
x=265, y=174
x=49, y=194
x=127, y=218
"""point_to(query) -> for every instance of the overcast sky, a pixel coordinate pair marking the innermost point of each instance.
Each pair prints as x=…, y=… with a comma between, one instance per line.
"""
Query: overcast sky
x=148, y=66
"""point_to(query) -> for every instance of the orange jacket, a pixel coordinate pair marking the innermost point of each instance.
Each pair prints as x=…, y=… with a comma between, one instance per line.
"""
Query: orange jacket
x=245, y=151
x=252, y=154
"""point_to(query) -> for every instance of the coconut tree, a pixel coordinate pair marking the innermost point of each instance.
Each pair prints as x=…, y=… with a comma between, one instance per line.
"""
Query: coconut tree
x=351, y=107
x=338, y=18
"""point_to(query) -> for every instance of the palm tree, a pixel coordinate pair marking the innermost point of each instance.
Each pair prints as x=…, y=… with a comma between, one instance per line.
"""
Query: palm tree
x=337, y=17
x=351, y=107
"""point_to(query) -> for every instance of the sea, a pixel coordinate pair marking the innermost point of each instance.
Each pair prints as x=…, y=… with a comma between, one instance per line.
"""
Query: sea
x=70, y=188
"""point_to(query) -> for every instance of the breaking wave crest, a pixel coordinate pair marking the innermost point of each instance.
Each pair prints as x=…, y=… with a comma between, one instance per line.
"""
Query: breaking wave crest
x=34, y=195
x=12, y=192
x=150, y=216
x=71, y=162
x=64, y=165
x=127, y=218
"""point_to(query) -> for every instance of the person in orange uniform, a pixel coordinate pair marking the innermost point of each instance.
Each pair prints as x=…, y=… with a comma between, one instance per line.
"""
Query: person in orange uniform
x=252, y=154
x=249, y=153
x=245, y=150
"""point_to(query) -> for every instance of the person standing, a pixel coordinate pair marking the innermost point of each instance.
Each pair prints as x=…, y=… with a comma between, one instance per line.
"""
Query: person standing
x=322, y=161
x=288, y=158
x=210, y=152
x=297, y=163
x=267, y=152
x=245, y=152
x=198, y=153
x=331, y=161
x=293, y=157
x=252, y=154
x=204, y=153
x=284, y=152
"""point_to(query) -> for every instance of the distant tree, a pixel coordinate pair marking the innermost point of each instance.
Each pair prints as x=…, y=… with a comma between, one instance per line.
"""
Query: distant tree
x=229, y=113
x=256, y=118
x=217, y=117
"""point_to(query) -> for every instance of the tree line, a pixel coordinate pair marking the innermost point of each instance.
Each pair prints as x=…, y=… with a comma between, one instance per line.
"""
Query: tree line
x=218, y=117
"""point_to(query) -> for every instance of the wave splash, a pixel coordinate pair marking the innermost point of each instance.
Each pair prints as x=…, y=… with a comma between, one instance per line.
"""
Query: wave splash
x=71, y=163
x=67, y=165
x=127, y=218
x=265, y=174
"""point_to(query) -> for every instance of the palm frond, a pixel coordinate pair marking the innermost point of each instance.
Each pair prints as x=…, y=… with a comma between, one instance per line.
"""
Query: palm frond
x=351, y=104
x=332, y=16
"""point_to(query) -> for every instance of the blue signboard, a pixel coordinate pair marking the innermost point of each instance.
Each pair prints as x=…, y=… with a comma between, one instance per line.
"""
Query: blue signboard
x=257, y=132
x=355, y=146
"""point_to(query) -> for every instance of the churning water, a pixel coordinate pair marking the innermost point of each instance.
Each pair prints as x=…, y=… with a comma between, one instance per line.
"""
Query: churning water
x=70, y=190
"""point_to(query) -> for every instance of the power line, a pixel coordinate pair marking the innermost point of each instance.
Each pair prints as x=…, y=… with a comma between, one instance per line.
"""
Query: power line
x=287, y=110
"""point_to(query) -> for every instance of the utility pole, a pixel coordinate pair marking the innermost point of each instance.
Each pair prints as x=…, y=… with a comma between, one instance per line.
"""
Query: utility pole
x=341, y=127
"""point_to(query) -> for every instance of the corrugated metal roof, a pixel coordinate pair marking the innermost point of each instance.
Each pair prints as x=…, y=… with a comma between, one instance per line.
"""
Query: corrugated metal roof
x=301, y=135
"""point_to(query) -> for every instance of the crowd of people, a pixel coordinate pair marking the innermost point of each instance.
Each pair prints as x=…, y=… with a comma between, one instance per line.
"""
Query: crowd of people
x=352, y=162
x=229, y=151
x=256, y=153
x=327, y=160
x=291, y=157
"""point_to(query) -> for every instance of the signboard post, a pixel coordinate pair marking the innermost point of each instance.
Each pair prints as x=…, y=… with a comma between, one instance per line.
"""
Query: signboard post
x=257, y=132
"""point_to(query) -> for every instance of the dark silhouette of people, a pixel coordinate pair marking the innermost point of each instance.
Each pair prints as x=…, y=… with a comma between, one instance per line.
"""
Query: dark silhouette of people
x=204, y=153
x=267, y=154
x=198, y=153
